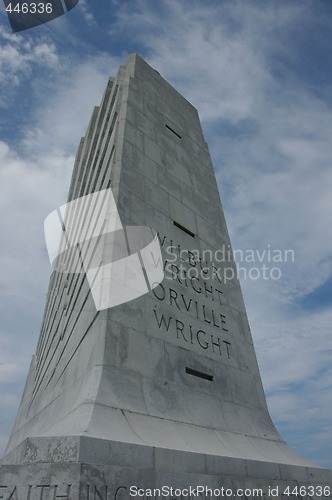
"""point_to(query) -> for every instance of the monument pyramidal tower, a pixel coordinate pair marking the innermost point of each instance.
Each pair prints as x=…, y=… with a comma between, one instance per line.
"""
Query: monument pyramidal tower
x=161, y=386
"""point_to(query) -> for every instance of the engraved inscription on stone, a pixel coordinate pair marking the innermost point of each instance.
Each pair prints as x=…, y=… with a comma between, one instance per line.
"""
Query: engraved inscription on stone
x=36, y=492
x=195, y=313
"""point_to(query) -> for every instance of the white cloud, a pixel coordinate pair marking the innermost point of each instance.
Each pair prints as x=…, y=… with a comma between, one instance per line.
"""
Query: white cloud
x=3, y=441
x=66, y=114
x=217, y=70
x=11, y=369
x=87, y=14
x=19, y=56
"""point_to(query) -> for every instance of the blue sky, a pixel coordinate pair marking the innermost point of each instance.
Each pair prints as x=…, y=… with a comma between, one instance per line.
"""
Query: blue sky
x=259, y=72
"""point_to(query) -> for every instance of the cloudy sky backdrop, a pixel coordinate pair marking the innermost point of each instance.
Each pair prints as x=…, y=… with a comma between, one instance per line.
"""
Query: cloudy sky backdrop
x=259, y=72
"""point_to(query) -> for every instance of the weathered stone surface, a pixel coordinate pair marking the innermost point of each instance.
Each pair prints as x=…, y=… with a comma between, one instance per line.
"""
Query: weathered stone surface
x=164, y=389
x=104, y=470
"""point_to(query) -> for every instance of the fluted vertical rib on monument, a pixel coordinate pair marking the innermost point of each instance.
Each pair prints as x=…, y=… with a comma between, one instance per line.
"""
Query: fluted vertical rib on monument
x=174, y=368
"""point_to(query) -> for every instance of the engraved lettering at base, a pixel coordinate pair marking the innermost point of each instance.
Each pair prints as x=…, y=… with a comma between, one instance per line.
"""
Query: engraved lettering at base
x=36, y=492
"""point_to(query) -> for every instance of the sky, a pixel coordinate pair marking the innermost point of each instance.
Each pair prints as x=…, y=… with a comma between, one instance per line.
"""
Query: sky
x=259, y=73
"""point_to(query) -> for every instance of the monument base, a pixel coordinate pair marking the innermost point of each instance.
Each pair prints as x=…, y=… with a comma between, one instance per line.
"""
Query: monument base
x=84, y=468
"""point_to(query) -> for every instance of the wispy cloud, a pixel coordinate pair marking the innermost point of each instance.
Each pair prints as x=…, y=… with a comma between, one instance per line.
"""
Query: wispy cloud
x=19, y=56
x=87, y=13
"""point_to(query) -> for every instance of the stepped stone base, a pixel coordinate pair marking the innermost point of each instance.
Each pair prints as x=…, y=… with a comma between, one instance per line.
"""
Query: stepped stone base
x=83, y=468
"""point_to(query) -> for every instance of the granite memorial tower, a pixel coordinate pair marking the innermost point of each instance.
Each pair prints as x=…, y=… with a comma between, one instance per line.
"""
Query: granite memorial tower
x=162, y=389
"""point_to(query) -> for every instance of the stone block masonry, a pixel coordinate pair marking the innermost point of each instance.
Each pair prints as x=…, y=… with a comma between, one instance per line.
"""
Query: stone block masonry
x=163, y=390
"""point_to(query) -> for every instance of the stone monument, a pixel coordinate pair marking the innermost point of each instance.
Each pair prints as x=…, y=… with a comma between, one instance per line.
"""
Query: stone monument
x=161, y=390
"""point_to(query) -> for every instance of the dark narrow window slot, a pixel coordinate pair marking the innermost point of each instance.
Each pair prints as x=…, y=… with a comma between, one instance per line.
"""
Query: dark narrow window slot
x=184, y=229
x=196, y=373
x=172, y=130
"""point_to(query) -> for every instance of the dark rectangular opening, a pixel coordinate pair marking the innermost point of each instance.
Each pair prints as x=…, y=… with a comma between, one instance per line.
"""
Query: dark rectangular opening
x=184, y=229
x=196, y=373
x=175, y=133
